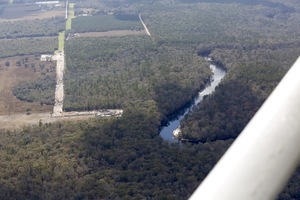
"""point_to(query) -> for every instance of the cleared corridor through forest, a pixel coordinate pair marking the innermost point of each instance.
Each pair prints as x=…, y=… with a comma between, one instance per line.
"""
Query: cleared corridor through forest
x=59, y=90
x=146, y=29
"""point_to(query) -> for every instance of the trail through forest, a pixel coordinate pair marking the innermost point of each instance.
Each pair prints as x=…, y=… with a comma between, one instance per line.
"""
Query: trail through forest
x=146, y=29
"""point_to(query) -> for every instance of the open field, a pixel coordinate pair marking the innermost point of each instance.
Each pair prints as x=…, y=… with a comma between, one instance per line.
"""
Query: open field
x=19, y=120
x=61, y=41
x=28, y=12
x=13, y=75
x=71, y=10
x=68, y=23
x=71, y=15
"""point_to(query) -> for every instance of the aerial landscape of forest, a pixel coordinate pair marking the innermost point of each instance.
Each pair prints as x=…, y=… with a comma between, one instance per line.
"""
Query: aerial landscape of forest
x=150, y=59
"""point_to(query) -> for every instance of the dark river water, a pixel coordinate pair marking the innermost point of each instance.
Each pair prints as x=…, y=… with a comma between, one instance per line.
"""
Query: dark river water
x=167, y=131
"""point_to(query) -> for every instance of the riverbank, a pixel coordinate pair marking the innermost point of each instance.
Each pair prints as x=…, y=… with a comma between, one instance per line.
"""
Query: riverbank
x=173, y=125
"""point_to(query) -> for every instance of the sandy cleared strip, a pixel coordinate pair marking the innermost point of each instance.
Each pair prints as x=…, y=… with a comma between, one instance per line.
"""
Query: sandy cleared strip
x=59, y=90
x=17, y=121
x=146, y=29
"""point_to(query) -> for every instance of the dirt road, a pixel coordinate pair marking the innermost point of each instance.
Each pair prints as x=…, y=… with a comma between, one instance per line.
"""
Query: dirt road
x=59, y=90
x=17, y=121
x=146, y=29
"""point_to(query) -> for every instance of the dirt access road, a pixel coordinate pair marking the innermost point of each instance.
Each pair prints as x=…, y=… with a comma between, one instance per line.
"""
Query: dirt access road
x=145, y=27
x=59, y=90
x=12, y=75
x=17, y=121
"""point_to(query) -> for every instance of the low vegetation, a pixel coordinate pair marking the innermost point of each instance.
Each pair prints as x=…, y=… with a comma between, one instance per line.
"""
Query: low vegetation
x=71, y=16
x=61, y=41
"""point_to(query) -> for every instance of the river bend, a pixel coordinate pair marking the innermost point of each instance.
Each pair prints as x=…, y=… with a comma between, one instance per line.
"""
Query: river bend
x=167, y=131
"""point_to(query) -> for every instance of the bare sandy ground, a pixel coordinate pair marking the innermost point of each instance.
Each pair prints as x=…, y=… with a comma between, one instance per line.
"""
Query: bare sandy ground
x=59, y=90
x=17, y=121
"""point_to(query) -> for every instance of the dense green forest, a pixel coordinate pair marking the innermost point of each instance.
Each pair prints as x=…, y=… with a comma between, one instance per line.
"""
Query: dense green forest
x=108, y=72
x=150, y=78
x=104, y=159
x=39, y=91
x=100, y=23
x=32, y=28
x=220, y=24
x=27, y=46
x=224, y=114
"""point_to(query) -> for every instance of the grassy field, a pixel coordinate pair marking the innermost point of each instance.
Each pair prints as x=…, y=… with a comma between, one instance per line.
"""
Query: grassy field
x=61, y=41
x=71, y=10
x=71, y=15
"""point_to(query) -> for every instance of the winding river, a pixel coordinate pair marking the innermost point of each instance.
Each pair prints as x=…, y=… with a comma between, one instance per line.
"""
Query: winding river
x=167, y=131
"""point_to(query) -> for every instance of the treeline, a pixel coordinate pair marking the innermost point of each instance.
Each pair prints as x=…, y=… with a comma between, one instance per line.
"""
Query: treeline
x=102, y=159
x=108, y=72
x=27, y=46
x=220, y=24
x=268, y=3
x=99, y=23
x=32, y=28
x=38, y=91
